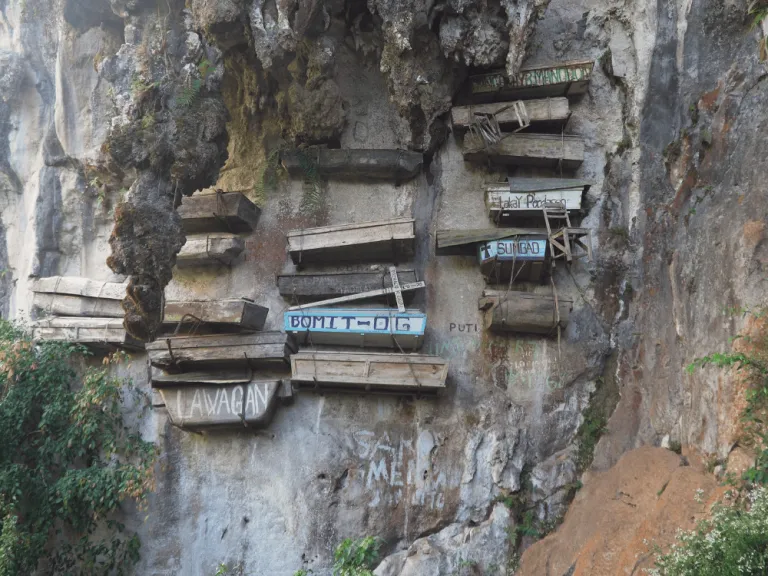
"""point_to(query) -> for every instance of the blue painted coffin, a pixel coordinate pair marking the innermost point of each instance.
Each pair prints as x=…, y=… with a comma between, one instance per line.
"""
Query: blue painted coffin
x=518, y=257
x=365, y=327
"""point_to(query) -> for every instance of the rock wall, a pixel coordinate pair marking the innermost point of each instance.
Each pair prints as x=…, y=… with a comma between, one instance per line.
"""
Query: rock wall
x=109, y=117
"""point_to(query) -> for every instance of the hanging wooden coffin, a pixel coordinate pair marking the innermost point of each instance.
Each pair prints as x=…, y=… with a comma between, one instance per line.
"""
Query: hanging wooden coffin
x=248, y=405
x=210, y=250
x=465, y=242
x=519, y=257
x=97, y=332
x=233, y=313
x=564, y=79
x=220, y=212
x=389, y=240
x=395, y=165
x=365, y=327
x=358, y=372
x=548, y=112
x=312, y=287
x=73, y=296
x=523, y=312
x=524, y=197
x=524, y=149
x=189, y=352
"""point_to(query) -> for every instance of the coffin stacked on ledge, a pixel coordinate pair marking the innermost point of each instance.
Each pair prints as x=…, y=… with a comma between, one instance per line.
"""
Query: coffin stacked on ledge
x=212, y=223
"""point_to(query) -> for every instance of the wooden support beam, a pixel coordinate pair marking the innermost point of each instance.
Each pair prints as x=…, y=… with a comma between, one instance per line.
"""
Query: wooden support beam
x=362, y=373
x=220, y=212
x=210, y=250
x=322, y=286
x=523, y=312
x=396, y=165
x=563, y=79
x=96, y=332
x=390, y=240
x=249, y=405
x=236, y=312
x=548, y=111
x=524, y=149
x=190, y=352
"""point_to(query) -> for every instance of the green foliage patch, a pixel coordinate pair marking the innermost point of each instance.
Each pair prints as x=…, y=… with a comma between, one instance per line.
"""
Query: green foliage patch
x=353, y=558
x=67, y=461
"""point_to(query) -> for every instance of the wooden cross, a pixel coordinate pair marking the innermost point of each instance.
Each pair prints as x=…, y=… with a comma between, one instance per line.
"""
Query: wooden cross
x=397, y=289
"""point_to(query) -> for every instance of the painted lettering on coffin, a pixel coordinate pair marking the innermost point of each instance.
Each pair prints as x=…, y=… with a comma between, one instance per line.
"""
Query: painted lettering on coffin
x=358, y=321
x=568, y=199
x=513, y=249
x=250, y=400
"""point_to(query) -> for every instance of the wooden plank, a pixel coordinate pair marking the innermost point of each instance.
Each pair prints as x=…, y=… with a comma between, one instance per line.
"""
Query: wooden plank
x=525, y=185
x=98, y=332
x=222, y=212
x=382, y=373
x=311, y=287
x=67, y=305
x=395, y=165
x=77, y=286
x=237, y=311
x=367, y=241
x=464, y=242
x=524, y=149
x=255, y=349
x=523, y=312
x=211, y=249
x=552, y=111
x=563, y=79
x=372, y=327
x=250, y=405
x=220, y=377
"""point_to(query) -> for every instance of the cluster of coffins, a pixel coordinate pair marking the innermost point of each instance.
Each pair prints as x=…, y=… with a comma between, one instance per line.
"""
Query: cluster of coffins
x=520, y=121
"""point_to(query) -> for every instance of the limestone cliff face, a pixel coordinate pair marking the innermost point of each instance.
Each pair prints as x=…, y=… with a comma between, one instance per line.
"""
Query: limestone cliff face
x=110, y=113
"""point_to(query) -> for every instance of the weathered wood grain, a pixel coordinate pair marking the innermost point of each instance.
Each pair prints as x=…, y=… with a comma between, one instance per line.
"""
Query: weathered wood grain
x=237, y=311
x=384, y=373
x=210, y=249
x=68, y=305
x=97, y=332
x=249, y=405
x=552, y=111
x=464, y=242
x=563, y=79
x=395, y=165
x=317, y=286
x=220, y=212
x=256, y=349
x=524, y=149
x=523, y=312
x=390, y=240
x=76, y=286
x=218, y=377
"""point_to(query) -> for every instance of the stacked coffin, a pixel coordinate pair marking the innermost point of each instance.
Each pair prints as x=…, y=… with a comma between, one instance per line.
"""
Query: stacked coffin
x=214, y=224
x=328, y=308
x=227, y=372
x=502, y=106
x=81, y=310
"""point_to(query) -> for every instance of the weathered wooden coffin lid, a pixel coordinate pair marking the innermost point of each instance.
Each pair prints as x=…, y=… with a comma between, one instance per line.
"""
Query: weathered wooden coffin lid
x=552, y=111
x=384, y=373
x=237, y=311
x=244, y=405
x=76, y=286
x=182, y=353
x=381, y=164
x=90, y=331
x=219, y=377
x=525, y=149
x=563, y=79
x=523, y=185
x=210, y=249
x=327, y=326
x=390, y=239
x=463, y=242
x=221, y=212
x=524, y=312
x=68, y=305
x=311, y=287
